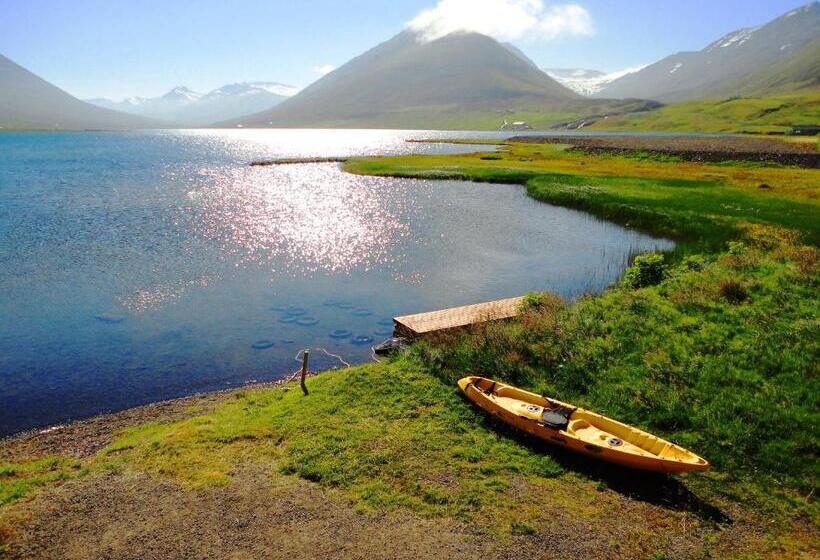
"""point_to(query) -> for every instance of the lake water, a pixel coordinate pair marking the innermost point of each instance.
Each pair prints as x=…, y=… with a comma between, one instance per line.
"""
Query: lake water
x=142, y=266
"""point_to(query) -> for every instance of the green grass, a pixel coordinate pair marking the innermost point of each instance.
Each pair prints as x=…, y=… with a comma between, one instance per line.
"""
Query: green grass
x=19, y=479
x=719, y=356
x=704, y=210
x=733, y=378
x=714, y=346
x=391, y=435
x=759, y=115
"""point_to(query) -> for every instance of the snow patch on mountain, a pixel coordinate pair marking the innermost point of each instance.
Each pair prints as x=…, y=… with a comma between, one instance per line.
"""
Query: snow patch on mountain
x=734, y=39
x=183, y=94
x=587, y=82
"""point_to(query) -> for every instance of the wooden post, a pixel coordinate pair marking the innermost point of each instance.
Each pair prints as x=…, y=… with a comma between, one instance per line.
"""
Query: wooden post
x=305, y=358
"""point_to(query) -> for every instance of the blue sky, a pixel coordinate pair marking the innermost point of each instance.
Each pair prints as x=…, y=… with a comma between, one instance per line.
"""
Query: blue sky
x=105, y=48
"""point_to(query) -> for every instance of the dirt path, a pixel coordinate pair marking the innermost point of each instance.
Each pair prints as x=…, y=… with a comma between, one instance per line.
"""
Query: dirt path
x=260, y=515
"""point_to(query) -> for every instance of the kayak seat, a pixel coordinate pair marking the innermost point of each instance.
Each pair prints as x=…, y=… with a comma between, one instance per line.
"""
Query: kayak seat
x=557, y=417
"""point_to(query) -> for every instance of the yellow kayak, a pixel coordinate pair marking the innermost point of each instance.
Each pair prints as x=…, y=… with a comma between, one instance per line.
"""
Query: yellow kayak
x=578, y=429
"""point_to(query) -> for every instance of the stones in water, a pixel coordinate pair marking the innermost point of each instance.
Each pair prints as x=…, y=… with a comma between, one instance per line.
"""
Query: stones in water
x=307, y=321
x=262, y=344
x=336, y=302
x=362, y=312
x=109, y=318
x=288, y=319
x=386, y=322
x=340, y=334
x=287, y=341
x=361, y=340
x=383, y=331
x=294, y=311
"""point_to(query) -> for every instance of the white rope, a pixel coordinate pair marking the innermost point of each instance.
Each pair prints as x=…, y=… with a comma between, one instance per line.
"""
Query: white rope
x=338, y=357
x=298, y=358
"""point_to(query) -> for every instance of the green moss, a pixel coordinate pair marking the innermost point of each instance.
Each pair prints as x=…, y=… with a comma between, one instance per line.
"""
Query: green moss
x=17, y=480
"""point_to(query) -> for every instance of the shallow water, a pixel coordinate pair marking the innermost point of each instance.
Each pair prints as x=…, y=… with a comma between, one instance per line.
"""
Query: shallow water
x=136, y=267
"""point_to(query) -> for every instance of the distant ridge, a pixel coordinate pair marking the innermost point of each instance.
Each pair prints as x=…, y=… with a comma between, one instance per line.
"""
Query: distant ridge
x=29, y=102
x=186, y=107
x=729, y=61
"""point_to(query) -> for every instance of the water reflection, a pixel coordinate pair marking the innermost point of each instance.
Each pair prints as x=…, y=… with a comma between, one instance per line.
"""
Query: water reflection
x=298, y=218
x=142, y=266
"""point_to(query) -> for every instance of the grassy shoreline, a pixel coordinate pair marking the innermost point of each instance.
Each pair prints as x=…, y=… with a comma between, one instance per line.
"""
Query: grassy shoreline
x=714, y=347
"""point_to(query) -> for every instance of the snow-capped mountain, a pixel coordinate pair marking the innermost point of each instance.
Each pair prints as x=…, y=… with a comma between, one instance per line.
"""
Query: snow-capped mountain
x=732, y=59
x=584, y=81
x=181, y=95
x=186, y=107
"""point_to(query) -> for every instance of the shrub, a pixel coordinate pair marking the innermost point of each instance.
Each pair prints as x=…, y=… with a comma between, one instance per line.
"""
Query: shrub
x=737, y=248
x=733, y=291
x=539, y=301
x=694, y=263
x=648, y=270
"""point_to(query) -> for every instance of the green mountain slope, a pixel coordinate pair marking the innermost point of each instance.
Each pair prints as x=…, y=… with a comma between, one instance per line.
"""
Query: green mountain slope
x=761, y=115
x=798, y=72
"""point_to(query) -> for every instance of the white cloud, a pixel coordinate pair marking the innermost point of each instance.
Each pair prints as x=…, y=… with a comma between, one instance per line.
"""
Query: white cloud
x=324, y=69
x=503, y=19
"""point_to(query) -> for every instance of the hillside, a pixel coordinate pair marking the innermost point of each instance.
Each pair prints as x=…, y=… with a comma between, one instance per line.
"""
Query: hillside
x=186, y=107
x=29, y=102
x=463, y=80
x=800, y=71
x=703, y=74
x=760, y=115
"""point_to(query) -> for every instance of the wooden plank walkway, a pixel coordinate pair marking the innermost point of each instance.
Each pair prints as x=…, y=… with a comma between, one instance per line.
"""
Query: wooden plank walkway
x=413, y=326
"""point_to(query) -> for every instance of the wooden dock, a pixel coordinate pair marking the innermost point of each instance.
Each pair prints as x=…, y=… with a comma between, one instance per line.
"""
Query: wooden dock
x=420, y=324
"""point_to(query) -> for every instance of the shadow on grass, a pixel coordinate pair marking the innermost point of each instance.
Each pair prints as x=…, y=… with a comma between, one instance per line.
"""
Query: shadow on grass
x=654, y=488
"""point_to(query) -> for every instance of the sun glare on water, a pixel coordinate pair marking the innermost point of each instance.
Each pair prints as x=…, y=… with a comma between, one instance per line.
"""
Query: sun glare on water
x=299, y=218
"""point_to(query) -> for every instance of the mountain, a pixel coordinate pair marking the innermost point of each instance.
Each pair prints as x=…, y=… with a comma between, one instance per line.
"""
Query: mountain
x=189, y=108
x=28, y=101
x=586, y=82
x=698, y=75
x=407, y=82
x=799, y=71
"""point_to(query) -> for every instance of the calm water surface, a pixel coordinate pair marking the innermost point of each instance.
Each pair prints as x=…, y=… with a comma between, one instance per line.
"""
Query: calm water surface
x=136, y=267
